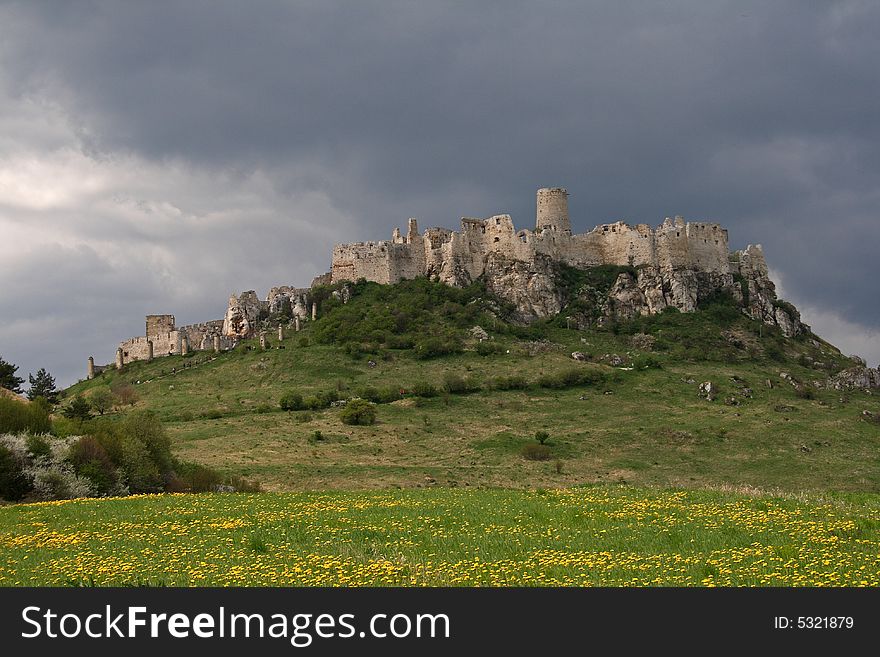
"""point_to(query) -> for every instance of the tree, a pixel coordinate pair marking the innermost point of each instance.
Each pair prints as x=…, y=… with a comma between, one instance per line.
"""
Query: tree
x=8, y=379
x=102, y=400
x=78, y=409
x=541, y=436
x=358, y=411
x=42, y=385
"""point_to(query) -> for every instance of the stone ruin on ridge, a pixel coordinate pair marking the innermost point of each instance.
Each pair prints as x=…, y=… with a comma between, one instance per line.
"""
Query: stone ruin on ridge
x=677, y=264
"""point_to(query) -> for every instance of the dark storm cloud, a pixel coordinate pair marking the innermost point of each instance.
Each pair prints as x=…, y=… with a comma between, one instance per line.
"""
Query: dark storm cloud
x=763, y=116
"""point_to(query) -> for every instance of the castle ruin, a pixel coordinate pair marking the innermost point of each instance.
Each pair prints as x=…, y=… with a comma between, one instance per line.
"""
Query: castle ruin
x=676, y=265
x=457, y=258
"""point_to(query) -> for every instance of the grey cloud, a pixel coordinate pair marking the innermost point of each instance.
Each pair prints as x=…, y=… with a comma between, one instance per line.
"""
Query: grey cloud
x=763, y=116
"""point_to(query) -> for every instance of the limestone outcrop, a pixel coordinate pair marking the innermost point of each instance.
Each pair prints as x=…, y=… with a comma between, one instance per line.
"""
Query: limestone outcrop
x=529, y=286
x=855, y=378
x=243, y=314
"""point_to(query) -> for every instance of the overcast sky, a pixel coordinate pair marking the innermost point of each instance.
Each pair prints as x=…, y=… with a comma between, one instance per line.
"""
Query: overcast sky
x=156, y=157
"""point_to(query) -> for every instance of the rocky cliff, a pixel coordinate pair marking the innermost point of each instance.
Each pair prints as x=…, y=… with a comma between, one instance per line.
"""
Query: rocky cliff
x=534, y=290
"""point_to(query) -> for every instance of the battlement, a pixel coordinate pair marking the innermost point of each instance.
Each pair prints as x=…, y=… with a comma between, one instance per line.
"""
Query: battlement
x=460, y=257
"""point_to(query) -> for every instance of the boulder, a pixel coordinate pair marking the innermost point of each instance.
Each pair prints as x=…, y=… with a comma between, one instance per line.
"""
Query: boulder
x=855, y=378
x=708, y=390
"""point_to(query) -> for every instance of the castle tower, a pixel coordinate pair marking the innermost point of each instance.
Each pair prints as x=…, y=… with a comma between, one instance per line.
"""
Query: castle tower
x=120, y=360
x=90, y=373
x=149, y=350
x=553, y=210
x=216, y=344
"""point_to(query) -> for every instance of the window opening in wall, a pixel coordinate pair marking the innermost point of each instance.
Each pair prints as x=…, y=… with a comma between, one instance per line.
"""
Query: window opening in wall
x=496, y=239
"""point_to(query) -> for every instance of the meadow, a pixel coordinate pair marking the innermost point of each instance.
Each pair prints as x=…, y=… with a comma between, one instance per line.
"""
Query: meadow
x=592, y=536
x=642, y=426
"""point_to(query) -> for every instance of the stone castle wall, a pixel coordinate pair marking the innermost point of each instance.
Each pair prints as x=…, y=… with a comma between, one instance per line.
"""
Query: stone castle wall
x=460, y=257
x=166, y=339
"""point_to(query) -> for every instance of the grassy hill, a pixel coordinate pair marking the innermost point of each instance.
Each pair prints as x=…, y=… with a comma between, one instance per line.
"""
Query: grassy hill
x=642, y=421
x=607, y=535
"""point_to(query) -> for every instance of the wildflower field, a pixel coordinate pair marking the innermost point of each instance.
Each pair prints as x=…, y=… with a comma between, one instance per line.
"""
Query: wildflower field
x=603, y=535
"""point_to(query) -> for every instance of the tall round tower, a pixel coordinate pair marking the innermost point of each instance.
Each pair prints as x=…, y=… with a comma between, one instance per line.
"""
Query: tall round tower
x=553, y=210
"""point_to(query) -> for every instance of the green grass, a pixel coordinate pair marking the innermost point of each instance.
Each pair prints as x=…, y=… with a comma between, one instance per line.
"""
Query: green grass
x=651, y=428
x=606, y=535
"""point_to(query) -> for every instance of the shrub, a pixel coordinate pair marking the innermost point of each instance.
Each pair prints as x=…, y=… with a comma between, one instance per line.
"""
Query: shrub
x=18, y=417
x=359, y=411
x=263, y=408
x=213, y=414
x=646, y=362
x=535, y=452
x=542, y=436
x=146, y=452
x=513, y=382
x=304, y=418
x=90, y=460
x=434, y=347
x=291, y=401
x=38, y=447
x=487, y=348
x=424, y=389
x=805, y=392
x=774, y=352
x=195, y=478
x=571, y=377
x=14, y=483
x=313, y=403
x=124, y=393
x=458, y=385
x=60, y=482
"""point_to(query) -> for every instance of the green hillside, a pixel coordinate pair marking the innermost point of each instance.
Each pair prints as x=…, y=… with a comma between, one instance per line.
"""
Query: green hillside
x=452, y=411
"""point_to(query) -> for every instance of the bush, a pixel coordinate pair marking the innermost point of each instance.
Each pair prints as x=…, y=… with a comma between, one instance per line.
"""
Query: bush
x=90, y=460
x=263, y=408
x=14, y=483
x=124, y=393
x=457, y=385
x=195, y=478
x=213, y=414
x=646, y=363
x=60, y=482
x=774, y=352
x=19, y=417
x=359, y=411
x=424, y=389
x=542, y=436
x=313, y=403
x=535, y=452
x=38, y=447
x=487, y=348
x=434, y=347
x=805, y=392
x=571, y=377
x=513, y=382
x=291, y=401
